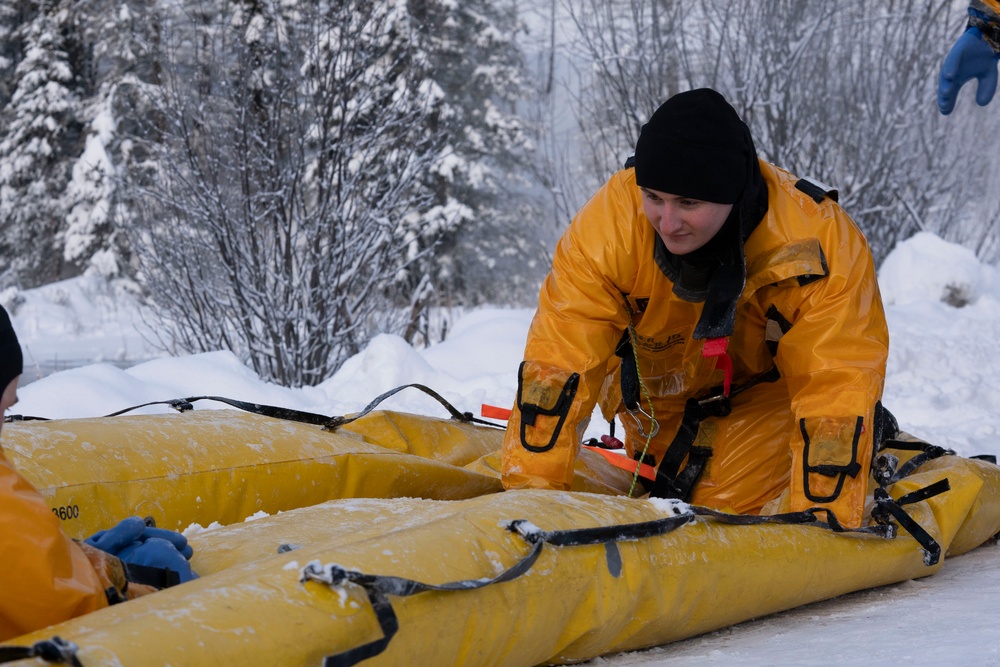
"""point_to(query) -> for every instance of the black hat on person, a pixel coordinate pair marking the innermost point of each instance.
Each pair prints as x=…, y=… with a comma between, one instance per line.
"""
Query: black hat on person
x=696, y=145
x=693, y=146
x=11, y=359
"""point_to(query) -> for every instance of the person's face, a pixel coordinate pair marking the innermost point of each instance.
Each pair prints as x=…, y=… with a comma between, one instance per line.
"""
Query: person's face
x=683, y=223
x=8, y=398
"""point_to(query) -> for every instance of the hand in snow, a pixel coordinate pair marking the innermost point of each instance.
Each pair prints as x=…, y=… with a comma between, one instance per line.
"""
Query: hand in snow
x=970, y=58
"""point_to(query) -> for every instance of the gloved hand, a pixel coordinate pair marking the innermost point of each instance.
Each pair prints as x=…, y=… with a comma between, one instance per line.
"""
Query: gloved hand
x=161, y=553
x=134, y=542
x=970, y=58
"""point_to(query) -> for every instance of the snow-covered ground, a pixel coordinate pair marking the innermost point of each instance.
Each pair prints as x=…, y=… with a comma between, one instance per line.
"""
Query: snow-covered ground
x=944, y=372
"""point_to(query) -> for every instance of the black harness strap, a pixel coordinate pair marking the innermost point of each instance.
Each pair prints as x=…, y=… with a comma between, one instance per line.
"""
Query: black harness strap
x=671, y=481
x=56, y=651
x=628, y=374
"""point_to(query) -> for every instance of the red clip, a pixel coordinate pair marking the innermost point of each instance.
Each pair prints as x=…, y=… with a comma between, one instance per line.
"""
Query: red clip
x=716, y=347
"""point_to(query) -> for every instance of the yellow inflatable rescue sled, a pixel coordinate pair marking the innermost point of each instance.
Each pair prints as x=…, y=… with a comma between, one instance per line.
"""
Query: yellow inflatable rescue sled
x=389, y=543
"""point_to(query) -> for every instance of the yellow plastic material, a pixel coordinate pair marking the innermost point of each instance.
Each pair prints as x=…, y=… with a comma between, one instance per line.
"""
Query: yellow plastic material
x=575, y=602
x=224, y=465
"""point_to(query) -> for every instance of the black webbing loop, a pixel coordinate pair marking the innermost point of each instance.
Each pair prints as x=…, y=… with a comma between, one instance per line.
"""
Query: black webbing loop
x=791, y=518
x=600, y=534
x=289, y=414
x=930, y=491
x=56, y=651
x=379, y=587
x=185, y=404
x=464, y=417
x=928, y=453
x=886, y=507
x=805, y=517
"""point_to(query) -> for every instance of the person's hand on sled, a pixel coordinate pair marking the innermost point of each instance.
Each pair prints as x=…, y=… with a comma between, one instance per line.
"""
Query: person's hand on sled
x=970, y=58
x=135, y=543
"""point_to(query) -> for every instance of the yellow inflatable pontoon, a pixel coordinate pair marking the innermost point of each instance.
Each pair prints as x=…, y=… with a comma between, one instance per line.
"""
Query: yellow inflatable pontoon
x=389, y=543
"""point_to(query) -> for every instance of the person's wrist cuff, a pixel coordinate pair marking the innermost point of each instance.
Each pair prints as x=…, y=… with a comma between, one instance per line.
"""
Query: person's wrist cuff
x=987, y=26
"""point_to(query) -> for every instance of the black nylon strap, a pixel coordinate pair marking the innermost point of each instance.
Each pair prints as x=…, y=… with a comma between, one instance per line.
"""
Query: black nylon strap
x=886, y=506
x=465, y=417
x=628, y=373
x=379, y=587
x=185, y=404
x=934, y=489
x=290, y=414
x=805, y=517
x=56, y=651
x=671, y=481
x=929, y=453
x=157, y=577
x=682, y=443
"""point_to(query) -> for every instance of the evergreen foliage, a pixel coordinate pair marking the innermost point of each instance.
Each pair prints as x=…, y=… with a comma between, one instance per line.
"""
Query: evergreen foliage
x=286, y=179
x=42, y=134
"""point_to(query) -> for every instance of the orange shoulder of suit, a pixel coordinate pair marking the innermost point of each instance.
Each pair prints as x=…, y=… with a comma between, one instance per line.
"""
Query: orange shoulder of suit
x=45, y=577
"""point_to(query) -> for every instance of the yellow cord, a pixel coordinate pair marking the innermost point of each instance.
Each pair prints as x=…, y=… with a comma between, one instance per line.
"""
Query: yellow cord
x=649, y=401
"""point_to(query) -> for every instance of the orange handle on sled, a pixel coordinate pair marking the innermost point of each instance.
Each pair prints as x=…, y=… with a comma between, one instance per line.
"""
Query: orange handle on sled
x=645, y=470
x=493, y=412
x=625, y=463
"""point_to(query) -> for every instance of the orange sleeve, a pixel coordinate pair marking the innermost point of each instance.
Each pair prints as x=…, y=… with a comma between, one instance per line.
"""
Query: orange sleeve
x=45, y=577
x=833, y=359
x=580, y=318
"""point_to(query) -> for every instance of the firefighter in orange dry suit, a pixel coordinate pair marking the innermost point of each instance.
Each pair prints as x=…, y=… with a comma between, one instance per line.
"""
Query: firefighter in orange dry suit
x=747, y=301
x=46, y=577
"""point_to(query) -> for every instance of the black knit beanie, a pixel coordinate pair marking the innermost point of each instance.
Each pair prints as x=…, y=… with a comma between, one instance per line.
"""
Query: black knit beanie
x=693, y=146
x=11, y=359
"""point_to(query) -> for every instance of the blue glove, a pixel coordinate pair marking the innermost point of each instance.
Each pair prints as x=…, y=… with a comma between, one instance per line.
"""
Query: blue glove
x=132, y=541
x=970, y=58
x=161, y=553
x=113, y=540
